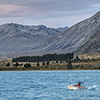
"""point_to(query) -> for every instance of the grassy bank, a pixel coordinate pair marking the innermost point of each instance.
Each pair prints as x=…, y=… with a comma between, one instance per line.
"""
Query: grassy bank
x=75, y=66
x=8, y=65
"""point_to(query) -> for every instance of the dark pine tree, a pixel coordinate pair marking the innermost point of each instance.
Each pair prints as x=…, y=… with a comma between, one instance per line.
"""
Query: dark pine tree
x=27, y=65
x=38, y=64
x=8, y=64
x=47, y=63
x=69, y=65
x=43, y=63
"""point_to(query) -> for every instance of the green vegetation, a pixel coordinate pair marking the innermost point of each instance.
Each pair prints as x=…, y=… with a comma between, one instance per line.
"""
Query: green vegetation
x=8, y=64
x=69, y=64
x=38, y=64
x=47, y=57
x=27, y=65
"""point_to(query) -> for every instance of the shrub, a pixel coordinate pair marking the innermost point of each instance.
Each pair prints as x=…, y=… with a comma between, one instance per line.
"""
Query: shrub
x=69, y=65
x=27, y=65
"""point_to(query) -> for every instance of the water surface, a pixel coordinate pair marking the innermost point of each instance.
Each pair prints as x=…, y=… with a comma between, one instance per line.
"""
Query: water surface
x=48, y=85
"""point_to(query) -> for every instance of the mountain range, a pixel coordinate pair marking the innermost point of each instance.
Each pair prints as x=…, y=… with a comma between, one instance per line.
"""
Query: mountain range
x=22, y=40
x=16, y=38
x=73, y=38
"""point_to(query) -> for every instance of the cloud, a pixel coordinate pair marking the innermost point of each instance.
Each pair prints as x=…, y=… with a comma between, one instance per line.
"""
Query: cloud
x=49, y=12
x=44, y=7
x=11, y=10
x=96, y=5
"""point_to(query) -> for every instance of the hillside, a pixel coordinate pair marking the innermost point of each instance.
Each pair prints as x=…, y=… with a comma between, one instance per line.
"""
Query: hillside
x=70, y=39
x=16, y=38
x=91, y=45
x=22, y=40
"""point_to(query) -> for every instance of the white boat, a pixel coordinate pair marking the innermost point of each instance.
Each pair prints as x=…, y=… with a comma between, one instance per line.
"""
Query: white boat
x=75, y=87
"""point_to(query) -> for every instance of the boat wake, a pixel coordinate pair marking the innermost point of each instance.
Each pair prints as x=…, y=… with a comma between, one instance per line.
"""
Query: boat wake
x=94, y=87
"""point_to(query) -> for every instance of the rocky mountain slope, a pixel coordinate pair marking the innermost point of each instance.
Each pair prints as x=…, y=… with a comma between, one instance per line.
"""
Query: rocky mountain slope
x=18, y=40
x=91, y=45
x=15, y=38
x=70, y=39
x=61, y=29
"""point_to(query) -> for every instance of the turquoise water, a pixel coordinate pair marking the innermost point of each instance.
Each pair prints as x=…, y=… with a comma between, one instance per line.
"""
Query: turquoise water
x=49, y=85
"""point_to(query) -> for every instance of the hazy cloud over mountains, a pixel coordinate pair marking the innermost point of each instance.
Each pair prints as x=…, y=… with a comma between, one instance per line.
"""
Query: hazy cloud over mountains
x=49, y=12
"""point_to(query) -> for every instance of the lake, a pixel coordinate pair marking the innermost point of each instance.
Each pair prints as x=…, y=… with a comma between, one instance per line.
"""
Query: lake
x=48, y=85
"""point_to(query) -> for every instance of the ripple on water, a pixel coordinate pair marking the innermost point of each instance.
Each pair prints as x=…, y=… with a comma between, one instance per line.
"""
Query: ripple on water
x=49, y=85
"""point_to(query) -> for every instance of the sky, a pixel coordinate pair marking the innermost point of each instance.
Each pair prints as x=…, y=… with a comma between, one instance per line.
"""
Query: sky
x=51, y=13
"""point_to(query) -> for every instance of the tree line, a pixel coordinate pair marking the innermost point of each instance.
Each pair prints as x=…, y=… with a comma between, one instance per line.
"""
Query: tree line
x=46, y=57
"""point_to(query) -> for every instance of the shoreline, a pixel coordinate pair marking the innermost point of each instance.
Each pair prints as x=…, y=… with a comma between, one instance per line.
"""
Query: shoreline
x=53, y=70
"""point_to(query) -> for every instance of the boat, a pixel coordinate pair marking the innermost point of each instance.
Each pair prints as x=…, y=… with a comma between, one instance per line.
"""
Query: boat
x=75, y=87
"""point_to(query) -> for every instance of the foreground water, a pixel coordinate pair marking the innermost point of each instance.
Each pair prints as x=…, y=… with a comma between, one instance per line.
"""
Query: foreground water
x=48, y=85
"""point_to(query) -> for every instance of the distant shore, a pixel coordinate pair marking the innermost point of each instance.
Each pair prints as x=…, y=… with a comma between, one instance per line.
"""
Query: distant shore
x=87, y=64
x=45, y=69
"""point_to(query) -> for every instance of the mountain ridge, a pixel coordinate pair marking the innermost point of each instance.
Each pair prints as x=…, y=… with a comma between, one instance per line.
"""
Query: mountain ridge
x=91, y=45
x=16, y=38
x=20, y=40
x=70, y=39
